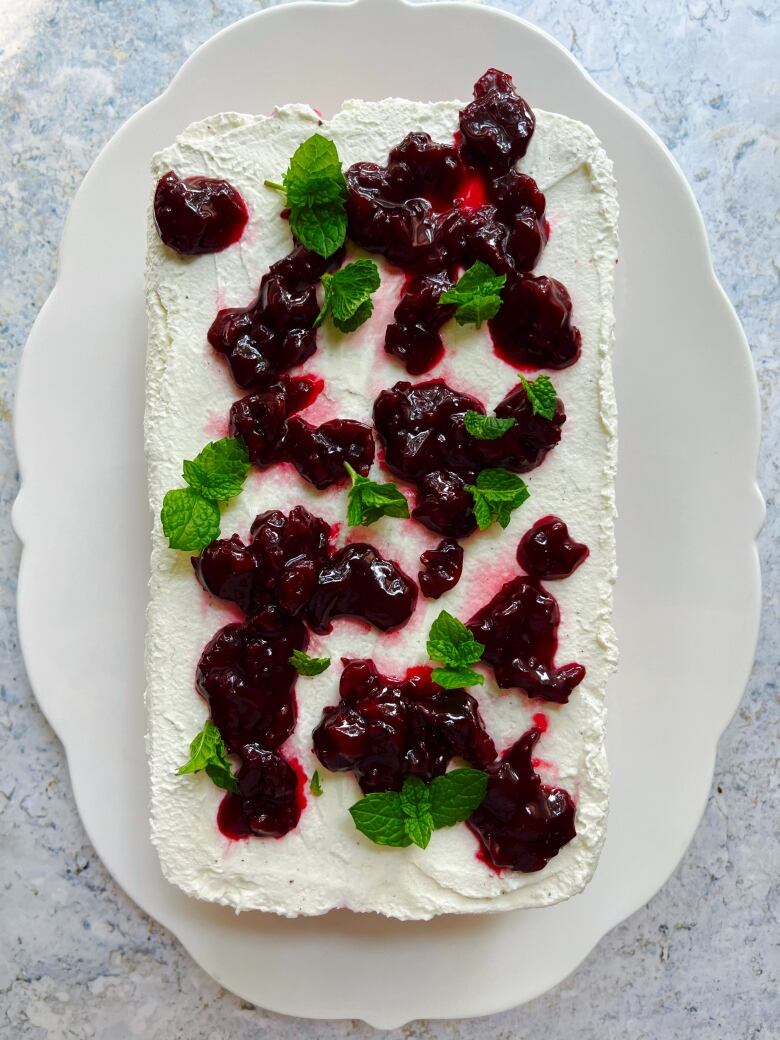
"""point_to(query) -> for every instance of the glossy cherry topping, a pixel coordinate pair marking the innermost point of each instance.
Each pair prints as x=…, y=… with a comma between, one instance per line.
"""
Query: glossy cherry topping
x=425, y=442
x=357, y=582
x=272, y=433
x=245, y=675
x=442, y=568
x=290, y=566
x=547, y=551
x=198, y=214
x=269, y=798
x=498, y=124
x=522, y=823
x=533, y=327
x=519, y=630
x=436, y=208
x=276, y=332
x=386, y=729
x=413, y=337
x=280, y=565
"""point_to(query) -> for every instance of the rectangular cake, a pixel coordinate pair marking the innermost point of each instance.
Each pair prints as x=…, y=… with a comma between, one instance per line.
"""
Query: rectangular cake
x=268, y=824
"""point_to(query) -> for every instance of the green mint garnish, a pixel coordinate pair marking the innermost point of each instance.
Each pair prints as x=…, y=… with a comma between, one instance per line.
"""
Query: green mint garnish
x=348, y=295
x=456, y=795
x=486, y=427
x=496, y=494
x=477, y=294
x=416, y=803
x=305, y=665
x=315, y=784
x=455, y=677
x=190, y=516
x=400, y=818
x=450, y=642
x=207, y=751
x=541, y=395
x=189, y=520
x=219, y=471
x=316, y=193
x=368, y=500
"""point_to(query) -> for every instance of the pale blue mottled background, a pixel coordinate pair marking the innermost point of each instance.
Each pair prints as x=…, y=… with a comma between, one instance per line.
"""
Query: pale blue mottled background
x=76, y=958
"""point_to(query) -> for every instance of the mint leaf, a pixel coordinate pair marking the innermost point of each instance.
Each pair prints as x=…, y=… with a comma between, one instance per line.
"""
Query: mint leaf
x=321, y=229
x=218, y=472
x=305, y=665
x=316, y=192
x=456, y=795
x=208, y=752
x=380, y=817
x=450, y=642
x=315, y=784
x=368, y=501
x=189, y=520
x=496, y=494
x=486, y=427
x=416, y=807
x=410, y=815
x=453, y=677
x=314, y=176
x=415, y=797
x=477, y=294
x=541, y=396
x=363, y=313
x=348, y=295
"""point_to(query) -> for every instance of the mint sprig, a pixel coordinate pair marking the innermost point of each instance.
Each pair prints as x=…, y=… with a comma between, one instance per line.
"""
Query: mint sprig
x=369, y=500
x=305, y=665
x=348, y=293
x=208, y=752
x=541, y=396
x=190, y=516
x=316, y=191
x=189, y=521
x=496, y=495
x=486, y=427
x=218, y=472
x=476, y=295
x=411, y=815
x=315, y=784
x=450, y=642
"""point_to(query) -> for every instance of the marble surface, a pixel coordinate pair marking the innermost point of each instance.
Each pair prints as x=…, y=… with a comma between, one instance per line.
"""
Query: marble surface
x=77, y=959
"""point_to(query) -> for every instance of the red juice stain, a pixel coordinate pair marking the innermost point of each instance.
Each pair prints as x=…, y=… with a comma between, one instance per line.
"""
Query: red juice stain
x=540, y=721
x=542, y=763
x=217, y=427
x=483, y=857
x=471, y=192
x=300, y=792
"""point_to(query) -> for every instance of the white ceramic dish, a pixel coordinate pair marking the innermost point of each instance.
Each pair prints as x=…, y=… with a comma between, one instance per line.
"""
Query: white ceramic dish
x=688, y=593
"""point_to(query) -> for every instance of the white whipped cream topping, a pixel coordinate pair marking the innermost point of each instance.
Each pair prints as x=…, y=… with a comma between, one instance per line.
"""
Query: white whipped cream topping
x=325, y=863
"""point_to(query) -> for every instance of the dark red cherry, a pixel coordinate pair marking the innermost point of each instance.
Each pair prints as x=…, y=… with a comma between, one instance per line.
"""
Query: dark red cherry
x=198, y=214
x=498, y=124
x=547, y=551
x=245, y=675
x=276, y=332
x=519, y=630
x=385, y=729
x=521, y=822
x=358, y=582
x=271, y=433
x=268, y=801
x=534, y=325
x=442, y=568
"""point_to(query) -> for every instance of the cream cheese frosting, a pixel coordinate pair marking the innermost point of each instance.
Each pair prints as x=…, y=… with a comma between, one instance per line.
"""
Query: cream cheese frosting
x=324, y=862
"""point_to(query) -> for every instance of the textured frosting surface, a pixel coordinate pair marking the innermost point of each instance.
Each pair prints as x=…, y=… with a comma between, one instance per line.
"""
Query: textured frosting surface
x=324, y=863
